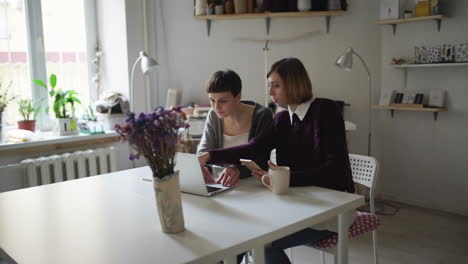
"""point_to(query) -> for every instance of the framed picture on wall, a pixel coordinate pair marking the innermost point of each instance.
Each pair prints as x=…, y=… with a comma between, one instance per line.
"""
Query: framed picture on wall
x=437, y=98
x=389, y=9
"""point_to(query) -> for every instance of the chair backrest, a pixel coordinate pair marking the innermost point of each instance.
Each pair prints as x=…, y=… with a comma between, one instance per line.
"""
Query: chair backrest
x=364, y=170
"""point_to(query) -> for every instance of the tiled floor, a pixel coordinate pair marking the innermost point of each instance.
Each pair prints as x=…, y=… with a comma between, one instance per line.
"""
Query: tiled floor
x=414, y=235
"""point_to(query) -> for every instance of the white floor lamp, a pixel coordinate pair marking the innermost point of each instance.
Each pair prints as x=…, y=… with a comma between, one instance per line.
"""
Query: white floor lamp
x=148, y=64
x=345, y=62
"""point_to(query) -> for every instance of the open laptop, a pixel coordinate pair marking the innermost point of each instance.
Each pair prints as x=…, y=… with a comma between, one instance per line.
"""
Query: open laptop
x=191, y=176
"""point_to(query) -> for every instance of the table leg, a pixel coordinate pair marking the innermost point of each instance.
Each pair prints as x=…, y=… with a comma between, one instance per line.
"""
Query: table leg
x=342, y=239
x=258, y=255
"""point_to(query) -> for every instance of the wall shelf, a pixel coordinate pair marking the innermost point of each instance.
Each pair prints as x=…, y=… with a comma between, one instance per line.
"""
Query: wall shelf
x=434, y=110
x=395, y=22
x=461, y=64
x=405, y=67
x=269, y=15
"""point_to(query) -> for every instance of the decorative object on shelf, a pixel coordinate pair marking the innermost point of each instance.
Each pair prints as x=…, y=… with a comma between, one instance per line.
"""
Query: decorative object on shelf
x=200, y=7
x=396, y=61
x=447, y=53
x=259, y=6
x=461, y=52
x=386, y=97
x=28, y=111
x=398, y=98
x=279, y=5
x=345, y=62
x=229, y=7
x=422, y=9
x=304, y=5
x=389, y=9
x=420, y=54
x=292, y=5
x=148, y=64
x=250, y=6
x=433, y=54
x=406, y=98
x=418, y=99
x=210, y=9
x=219, y=9
x=266, y=5
x=408, y=14
x=64, y=106
x=240, y=6
x=334, y=5
x=436, y=98
x=435, y=8
x=319, y=5
x=155, y=135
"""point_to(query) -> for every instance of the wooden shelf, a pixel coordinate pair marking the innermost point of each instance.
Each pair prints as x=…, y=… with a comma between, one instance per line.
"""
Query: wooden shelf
x=434, y=110
x=430, y=65
x=394, y=22
x=269, y=15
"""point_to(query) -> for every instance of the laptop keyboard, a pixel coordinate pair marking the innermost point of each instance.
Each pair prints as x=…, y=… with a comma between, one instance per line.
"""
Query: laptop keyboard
x=211, y=189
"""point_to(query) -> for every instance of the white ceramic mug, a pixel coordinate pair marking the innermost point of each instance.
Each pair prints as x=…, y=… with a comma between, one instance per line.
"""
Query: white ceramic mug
x=279, y=179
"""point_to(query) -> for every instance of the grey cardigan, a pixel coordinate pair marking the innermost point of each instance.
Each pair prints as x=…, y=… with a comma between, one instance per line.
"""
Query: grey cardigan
x=213, y=133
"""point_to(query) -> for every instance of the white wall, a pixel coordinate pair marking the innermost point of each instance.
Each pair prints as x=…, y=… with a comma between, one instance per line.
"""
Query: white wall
x=188, y=56
x=424, y=161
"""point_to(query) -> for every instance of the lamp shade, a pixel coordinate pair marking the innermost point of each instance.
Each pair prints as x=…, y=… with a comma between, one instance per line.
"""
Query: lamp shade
x=345, y=61
x=148, y=64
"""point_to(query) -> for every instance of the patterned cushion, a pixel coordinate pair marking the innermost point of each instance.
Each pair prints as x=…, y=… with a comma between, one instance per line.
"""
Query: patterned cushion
x=363, y=223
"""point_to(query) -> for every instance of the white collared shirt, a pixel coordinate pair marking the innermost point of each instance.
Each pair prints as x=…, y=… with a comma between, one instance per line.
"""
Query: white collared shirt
x=301, y=110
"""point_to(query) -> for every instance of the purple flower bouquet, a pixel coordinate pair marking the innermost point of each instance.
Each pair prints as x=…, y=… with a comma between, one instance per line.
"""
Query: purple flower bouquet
x=154, y=135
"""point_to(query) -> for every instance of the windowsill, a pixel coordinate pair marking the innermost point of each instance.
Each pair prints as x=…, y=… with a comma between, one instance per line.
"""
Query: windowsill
x=48, y=141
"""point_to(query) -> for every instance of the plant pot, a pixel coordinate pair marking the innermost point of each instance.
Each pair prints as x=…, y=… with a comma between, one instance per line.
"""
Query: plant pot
x=169, y=202
x=67, y=126
x=110, y=120
x=27, y=125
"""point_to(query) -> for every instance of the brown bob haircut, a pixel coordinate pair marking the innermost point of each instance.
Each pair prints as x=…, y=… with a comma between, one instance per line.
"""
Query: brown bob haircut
x=225, y=81
x=296, y=81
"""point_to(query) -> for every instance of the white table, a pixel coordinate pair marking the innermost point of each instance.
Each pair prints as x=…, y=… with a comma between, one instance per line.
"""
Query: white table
x=113, y=218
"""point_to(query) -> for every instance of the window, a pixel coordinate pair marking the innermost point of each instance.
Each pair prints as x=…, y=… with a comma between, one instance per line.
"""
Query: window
x=68, y=33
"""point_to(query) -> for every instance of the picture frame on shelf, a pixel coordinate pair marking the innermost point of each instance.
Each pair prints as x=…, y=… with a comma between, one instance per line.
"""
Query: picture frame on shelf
x=419, y=98
x=387, y=97
x=411, y=97
x=436, y=98
x=398, y=99
x=406, y=98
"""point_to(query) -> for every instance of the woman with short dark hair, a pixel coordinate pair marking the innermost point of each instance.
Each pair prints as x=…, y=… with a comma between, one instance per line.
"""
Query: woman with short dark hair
x=232, y=122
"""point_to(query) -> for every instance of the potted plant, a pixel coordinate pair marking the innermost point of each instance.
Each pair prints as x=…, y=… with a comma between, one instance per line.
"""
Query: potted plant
x=4, y=101
x=63, y=106
x=155, y=136
x=29, y=111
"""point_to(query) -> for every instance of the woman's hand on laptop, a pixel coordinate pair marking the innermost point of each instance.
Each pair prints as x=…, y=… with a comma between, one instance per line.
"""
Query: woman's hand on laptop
x=207, y=175
x=229, y=177
x=203, y=158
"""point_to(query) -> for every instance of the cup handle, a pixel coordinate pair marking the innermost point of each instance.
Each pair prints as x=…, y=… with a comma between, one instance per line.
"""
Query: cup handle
x=263, y=181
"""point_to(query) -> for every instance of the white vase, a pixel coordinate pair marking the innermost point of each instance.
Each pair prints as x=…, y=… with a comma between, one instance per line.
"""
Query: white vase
x=169, y=202
x=240, y=6
x=67, y=126
x=304, y=5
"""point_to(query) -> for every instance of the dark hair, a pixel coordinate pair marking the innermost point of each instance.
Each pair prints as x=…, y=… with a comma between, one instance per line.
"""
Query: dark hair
x=296, y=81
x=225, y=81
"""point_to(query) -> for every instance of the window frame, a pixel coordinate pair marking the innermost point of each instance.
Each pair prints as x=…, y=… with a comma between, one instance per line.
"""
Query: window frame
x=36, y=51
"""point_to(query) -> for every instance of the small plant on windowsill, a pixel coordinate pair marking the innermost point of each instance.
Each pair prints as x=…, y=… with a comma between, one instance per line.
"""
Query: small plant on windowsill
x=63, y=106
x=4, y=98
x=29, y=111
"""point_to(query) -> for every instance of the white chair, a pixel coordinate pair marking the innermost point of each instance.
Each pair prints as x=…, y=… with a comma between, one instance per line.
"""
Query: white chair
x=364, y=170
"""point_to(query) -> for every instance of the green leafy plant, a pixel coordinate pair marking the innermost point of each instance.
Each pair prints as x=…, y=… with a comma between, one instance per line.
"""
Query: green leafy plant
x=89, y=114
x=27, y=108
x=62, y=98
x=4, y=98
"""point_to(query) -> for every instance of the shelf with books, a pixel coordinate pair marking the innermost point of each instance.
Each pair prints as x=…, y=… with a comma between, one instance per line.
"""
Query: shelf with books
x=410, y=107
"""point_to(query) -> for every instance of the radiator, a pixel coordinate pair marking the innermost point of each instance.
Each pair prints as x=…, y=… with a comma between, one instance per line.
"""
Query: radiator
x=69, y=166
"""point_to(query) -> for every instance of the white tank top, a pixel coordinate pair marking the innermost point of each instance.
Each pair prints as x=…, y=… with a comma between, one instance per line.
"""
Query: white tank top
x=231, y=141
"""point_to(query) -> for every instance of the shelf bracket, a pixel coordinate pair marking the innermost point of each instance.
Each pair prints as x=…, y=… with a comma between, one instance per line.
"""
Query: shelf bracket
x=208, y=26
x=394, y=29
x=327, y=23
x=392, y=113
x=267, y=24
x=439, y=22
x=435, y=115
